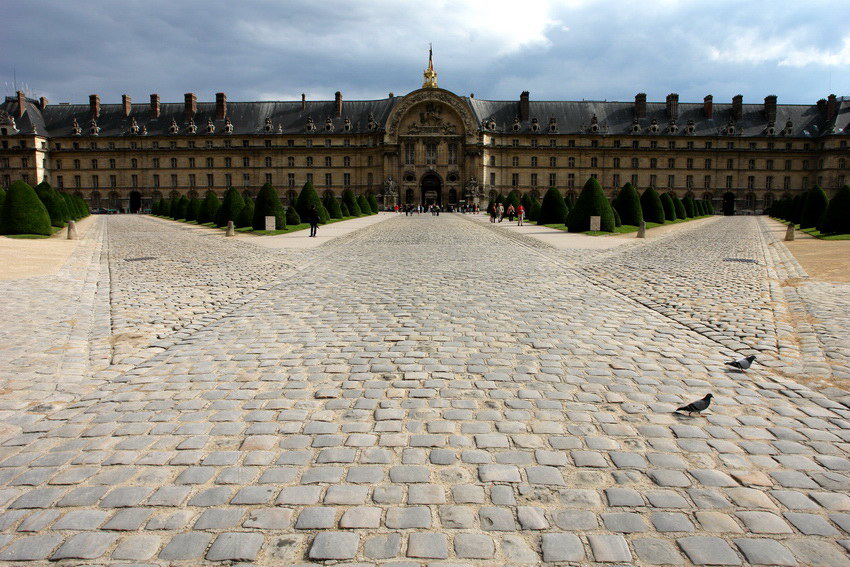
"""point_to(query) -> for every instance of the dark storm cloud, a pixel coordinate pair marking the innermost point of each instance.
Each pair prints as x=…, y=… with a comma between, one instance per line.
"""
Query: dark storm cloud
x=277, y=50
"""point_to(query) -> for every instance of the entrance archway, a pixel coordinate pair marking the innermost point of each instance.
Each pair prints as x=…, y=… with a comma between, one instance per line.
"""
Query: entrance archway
x=135, y=201
x=729, y=204
x=432, y=190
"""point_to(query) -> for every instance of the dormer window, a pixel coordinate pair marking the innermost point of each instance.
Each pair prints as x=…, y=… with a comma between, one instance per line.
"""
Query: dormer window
x=174, y=128
x=210, y=126
x=329, y=125
x=515, y=125
x=94, y=129
x=653, y=126
x=691, y=128
x=771, y=129
x=535, y=125
x=228, y=126
x=553, y=124
x=77, y=129
x=347, y=125
x=672, y=127
x=191, y=128
x=134, y=127
x=310, y=126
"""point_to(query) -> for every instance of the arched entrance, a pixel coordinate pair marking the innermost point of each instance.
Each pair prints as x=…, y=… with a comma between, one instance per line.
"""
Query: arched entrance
x=729, y=204
x=135, y=201
x=432, y=190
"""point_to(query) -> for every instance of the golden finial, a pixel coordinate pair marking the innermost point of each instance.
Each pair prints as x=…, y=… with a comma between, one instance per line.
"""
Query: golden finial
x=430, y=74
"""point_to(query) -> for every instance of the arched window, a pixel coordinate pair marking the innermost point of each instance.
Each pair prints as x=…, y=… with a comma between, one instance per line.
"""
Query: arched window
x=750, y=201
x=94, y=199
x=114, y=200
x=768, y=199
x=192, y=194
x=452, y=196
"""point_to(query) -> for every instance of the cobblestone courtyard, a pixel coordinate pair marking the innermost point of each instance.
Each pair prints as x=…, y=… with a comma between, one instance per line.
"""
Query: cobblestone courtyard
x=425, y=391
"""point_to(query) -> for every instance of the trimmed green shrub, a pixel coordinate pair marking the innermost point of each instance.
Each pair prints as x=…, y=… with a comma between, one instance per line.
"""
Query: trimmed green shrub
x=628, y=205
x=2, y=196
x=500, y=199
x=83, y=206
x=690, y=208
x=309, y=198
x=174, y=207
x=679, y=207
x=617, y=220
x=344, y=210
x=709, y=206
x=591, y=202
x=364, y=205
x=165, y=207
x=246, y=215
x=814, y=208
x=268, y=205
x=182, y=207
x=836, y=218
x=532, y=207
x=230, y=208
x=54, y=203
x=553, y=209
x=23, y=212
x=373, y=203
x=193, y=209
x=332, y=205
x=351, y=203
x=209, y=208
x=650, y=204
x=292, y=217
x=799, y=205
x=698, y=209
x=155, y=207
x=513, y=198
x=669, y=208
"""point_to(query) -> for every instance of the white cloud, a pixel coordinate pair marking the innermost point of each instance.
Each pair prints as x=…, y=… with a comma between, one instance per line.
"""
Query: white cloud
x=749, y=46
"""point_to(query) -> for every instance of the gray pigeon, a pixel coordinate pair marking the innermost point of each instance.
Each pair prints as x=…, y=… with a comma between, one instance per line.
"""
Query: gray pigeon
x=742, y=363
x=698, y=405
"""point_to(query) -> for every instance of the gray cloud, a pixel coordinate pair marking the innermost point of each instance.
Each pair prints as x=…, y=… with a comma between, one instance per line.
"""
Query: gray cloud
x=257, y=50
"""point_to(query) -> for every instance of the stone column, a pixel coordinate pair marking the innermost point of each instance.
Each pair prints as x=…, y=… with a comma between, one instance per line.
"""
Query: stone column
x=72, y=230
x=641, y=233
x=789, y=233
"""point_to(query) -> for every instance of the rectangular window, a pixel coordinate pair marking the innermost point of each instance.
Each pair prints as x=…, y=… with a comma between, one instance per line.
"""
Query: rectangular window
x=671, y=163
x=751, y=182
x=653, y=145
x=689, y=181
x=346, y=161
x=594, y=162
x=59, y=181
x=227, y=162
x=269, y=178
x=571, y=180
x=431, y=154
x=290, y=143
x=409, y=154
x=514, y=179
x=751, y=164
x=786, y=182
x=689, y=163
x=572, y=143
x=594, y=144
x=690, y=145
x=328, y=180
x=616, y=143
x=209, y=144
x=671, y=181
x=290, y=179
x=635, y=163
x=346, y=179
x=534, y=143
x=571, y=162
x=228, y=180
x=708, y=145
x=156, y=162
x=245, y=143
x=534, y=180
x=95, y=181
x=515, y=161
x=635, y=144
x=706, y=182
x=553, y=143
x=134, y=180
x=210, y=180
x=290, y=162
x=515, y=143
x=93, y=163
x=78, y=182
x=635, y=180
x=492, y=179
x=769, y=164
x=552, y=180
x=310, y=177
x=111, y=164
x=174, y=181
x=58, y=163
x=191, y=180
x=268, y=162
x=268, y=143
x=708, y=163
x=113, y=181
x=728, y=181
x=173, y=163
x=768, y=182
x=452, y=154
x=805, y=183
x=209, y=162
x=533, y=161
x=134, y=163
x=671, y=144
x=246, y=179
x=156, y=180
x=653, y=181
x=246, y=162
x=191, y=162
x=553, y=162
x=327, y=142
x=730, y=164
x=190, y=144
x=615, y=181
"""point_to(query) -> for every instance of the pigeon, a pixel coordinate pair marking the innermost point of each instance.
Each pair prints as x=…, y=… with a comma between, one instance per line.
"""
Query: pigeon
x=698, y=405
x=742, y=363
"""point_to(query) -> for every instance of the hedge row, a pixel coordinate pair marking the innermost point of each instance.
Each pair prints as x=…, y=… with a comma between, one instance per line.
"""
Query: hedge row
x=813, y=209
x=24, y=210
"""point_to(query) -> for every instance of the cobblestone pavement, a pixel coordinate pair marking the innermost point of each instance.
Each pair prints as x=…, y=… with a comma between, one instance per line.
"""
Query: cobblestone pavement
x=433, y=391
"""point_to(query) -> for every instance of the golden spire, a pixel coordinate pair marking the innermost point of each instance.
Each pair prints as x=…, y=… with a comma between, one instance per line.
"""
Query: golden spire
x=430, y=74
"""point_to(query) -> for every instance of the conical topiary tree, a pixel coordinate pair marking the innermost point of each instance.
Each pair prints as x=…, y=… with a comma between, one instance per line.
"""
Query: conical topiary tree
x=246, y=215
x=174, y=207
x=679, y=207
x=268, y=205
x=231, y=206
x=669, y=208
x=513, y=198
x=182, y=207
x=363, y=203
x=532, y=207
x=799, y=205
x=814, y=208
x=344, y=210
x=373, y=203
x=351, y=203
x=332, y=205
x=690, y=208
x=23, y=212
x=306, y=199
x=836, y=218
x=698, y=209
x=54, y=203
x=628, y=205
x=650, y=204
x=292, y=217
x=591, y=202
x=59, y=197
x=71, y=205
x=165, y=207
x=617, y=220
x=82, y=206
x=193, y=209
x=2, y=196
x=709, y=206
x=553, y=209
x=209, y=208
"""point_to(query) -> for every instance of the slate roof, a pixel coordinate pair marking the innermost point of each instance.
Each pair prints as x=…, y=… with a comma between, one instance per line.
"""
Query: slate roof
x=572, y=117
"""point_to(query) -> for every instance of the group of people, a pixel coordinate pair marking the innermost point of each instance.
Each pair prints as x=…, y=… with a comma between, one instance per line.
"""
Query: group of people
x=410, y=210
x=498, y=213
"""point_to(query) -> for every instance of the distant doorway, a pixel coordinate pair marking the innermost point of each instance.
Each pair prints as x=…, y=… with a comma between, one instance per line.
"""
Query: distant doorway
x=729, y=204
x=432, y=190
x=135, y=201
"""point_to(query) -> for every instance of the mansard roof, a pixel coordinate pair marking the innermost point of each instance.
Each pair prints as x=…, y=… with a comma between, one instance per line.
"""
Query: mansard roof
x=571, y=117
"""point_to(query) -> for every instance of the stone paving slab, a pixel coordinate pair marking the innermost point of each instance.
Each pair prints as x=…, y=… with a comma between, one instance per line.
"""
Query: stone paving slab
x=432, y=391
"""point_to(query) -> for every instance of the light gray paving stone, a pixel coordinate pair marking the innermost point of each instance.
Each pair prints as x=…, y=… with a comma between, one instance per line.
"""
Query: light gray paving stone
x=655, y=551
x=184, y=547
x=624, y=522
x=763, y=522
x=382, y=546
x=811, y=524
x=81, y=520
x=269, y=519
x=609, y=548
x=763, y=551
x=409, y=517
x=496, y=519
x=334, y=545
x=561, y=547
x=31, y=548
x=137, y=548
x=218, y=518
x=708, y=550
x=89, y=545
x=427, y=545
x=474, y=546
x=816, y=552
x=235, y=546
x=312, y=518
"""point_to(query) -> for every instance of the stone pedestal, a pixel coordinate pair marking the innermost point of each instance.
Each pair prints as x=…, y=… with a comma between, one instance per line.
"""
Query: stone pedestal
x=596, y=223
x=789, y=233
x=72, y=230
x=231, y=231
x=270, y=223
x=641, y=233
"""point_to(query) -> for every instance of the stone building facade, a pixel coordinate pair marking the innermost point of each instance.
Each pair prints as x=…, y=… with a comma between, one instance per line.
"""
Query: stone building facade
x=429, y=146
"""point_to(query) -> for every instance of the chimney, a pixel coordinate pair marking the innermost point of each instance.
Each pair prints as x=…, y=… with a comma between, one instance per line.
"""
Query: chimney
x=42, y=103
x=708, y=106
x=338, y=104
x=94, y=105
x=770, y=108
x=190, y=106
x=831, y=107
x=640, y=105
x=673, y=107
x=220, y=106
x=303, y=101
x=822, y=106
x=523, y=106
x=738, y=107
x=126, y=104
x=22, y=103
x=154, y=106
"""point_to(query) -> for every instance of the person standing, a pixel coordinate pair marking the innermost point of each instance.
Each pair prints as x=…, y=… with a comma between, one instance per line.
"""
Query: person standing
x=501, y=212
x=313, y=219
x=511, y=212
x=520, y=212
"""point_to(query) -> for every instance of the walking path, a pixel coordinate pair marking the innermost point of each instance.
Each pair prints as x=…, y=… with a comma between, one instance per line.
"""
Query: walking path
x=424, y=391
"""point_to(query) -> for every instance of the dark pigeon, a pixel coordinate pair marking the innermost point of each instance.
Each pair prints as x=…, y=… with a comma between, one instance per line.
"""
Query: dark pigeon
x=742, y=363
x=698, y=405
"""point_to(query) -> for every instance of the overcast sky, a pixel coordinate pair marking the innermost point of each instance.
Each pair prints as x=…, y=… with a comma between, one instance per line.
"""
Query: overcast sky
x=568, y=50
